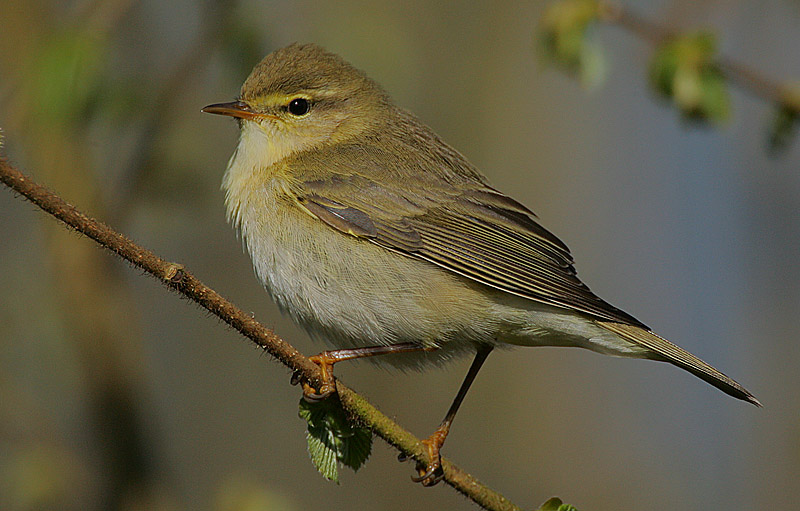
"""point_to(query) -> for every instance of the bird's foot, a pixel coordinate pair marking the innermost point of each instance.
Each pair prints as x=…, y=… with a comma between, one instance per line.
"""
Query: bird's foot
x=328, y=386
x=432, y=473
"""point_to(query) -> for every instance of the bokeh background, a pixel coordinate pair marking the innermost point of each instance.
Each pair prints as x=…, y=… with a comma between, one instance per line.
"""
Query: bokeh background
x=115, y=394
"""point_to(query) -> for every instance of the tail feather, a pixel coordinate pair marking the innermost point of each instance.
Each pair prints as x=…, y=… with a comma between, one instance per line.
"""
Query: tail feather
x=665, y=350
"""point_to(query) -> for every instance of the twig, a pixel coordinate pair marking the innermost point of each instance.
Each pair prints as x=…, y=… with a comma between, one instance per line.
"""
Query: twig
x=738, y=73
x=176, y=277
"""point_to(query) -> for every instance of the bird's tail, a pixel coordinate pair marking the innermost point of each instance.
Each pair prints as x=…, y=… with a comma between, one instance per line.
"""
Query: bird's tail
x=665, y=350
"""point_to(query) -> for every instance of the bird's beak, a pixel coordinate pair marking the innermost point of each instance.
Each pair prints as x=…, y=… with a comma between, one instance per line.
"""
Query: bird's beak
x=238, y=109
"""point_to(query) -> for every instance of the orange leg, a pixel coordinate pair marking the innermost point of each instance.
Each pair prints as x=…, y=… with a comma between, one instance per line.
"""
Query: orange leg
x=326, y=359
x=432, y=473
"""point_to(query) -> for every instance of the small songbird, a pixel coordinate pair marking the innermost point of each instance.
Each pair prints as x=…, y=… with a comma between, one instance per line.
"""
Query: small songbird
x=379, y=238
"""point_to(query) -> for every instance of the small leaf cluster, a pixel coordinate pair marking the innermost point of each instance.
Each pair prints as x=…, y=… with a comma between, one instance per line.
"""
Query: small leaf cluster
x=333, y=440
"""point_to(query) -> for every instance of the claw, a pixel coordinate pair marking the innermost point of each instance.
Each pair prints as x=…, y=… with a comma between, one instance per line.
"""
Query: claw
x=426, y=476
x=432, y=474
x=437, y=478
x=311, y=395
x=429, y=475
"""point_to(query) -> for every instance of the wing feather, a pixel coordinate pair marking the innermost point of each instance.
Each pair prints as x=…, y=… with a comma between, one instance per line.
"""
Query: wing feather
x=478, y=233
x=681, y=358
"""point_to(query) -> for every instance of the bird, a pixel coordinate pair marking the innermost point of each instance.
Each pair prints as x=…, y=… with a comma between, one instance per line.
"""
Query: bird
x=383, y=241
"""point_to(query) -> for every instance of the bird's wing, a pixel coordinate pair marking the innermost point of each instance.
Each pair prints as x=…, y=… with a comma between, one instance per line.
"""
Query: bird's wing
x=458, y=222
x=473, y=230
x=488, y=237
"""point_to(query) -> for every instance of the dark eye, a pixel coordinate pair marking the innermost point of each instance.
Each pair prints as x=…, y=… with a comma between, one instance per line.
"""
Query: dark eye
x=299, y=106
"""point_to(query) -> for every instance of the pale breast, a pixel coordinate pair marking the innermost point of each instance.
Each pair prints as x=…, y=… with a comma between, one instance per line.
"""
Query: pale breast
x=347, y=290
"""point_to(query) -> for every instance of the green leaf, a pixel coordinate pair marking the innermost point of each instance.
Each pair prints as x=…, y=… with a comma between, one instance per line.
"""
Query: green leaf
x=563, y=39
x=332, y=438
x=555, y=504
x=684, y=70
x=323, y=455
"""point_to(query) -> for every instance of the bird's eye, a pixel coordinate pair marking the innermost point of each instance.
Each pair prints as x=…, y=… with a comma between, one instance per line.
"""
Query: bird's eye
x=299, y=107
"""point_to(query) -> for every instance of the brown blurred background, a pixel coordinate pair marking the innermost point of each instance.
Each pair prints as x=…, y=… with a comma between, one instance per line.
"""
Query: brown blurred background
x=115, y=394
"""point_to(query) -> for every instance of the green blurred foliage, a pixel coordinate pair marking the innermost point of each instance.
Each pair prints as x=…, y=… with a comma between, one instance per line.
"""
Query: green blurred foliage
x=683, y=70
x=66, y=74
x=563, y=40
x=783, y=128
x=243, y=493
x=39, y=476
x=785, y=119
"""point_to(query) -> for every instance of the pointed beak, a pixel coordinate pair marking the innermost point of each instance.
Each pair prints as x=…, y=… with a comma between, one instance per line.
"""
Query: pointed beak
x=238, y=109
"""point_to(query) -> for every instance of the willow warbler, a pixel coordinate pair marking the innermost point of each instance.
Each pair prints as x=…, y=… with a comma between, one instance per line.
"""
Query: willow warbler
x=379, y=238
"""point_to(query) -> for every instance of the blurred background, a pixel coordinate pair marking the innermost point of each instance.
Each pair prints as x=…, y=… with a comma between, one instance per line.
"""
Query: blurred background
x=116, y=394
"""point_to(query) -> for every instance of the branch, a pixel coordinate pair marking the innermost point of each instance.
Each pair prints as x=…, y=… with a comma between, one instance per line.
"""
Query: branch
x=685, y=68
x=176, y=277
x=738, y=73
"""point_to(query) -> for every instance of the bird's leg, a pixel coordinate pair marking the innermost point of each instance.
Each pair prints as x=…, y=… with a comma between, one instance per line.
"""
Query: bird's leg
x=326, y=359
x=432, y=473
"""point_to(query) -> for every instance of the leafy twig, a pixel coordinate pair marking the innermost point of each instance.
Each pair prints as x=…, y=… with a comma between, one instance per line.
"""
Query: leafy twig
x=743, y=76
x=686, y=66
